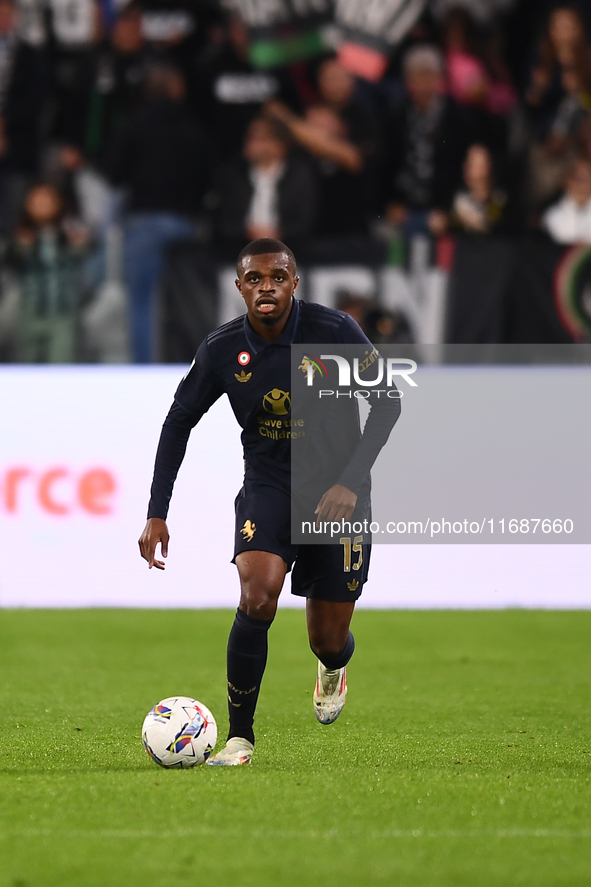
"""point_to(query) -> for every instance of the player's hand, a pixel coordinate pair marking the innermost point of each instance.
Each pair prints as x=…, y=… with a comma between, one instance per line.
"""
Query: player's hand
x=155, y=532
x=337, y=504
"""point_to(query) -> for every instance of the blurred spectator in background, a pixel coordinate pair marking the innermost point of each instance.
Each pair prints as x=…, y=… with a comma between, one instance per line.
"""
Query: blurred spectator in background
x=340, y=170
x=120, y=69
x=381, y=327
x=339, y=136
x=387, y=327
x=355, y=305
x=429, y=137
x=559, y=99
x=233, y=91
x=564, y=47
x=22, y=95
x=572, y=110
x=476, y=72
x=353, y=196
x=161, y=158
x=175, y=31
x=480, y=207
x=97, y=102
x=337, y=89
x=47, y=253
x=569, y=220
x=270, y=192
x=105, y=100
x=77, y=32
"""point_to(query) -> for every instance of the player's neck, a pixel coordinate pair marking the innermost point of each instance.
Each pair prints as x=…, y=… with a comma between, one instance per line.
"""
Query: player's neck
x=273, y=329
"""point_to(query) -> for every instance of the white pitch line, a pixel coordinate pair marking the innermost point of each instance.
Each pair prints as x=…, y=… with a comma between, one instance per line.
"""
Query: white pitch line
x=208, y=832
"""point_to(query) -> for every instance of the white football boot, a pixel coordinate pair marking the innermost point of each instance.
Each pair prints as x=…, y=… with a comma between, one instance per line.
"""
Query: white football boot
x=330, y=693
x=237, y=751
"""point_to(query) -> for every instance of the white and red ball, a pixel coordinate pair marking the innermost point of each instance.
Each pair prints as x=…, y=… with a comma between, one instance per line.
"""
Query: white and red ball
x=179, y=732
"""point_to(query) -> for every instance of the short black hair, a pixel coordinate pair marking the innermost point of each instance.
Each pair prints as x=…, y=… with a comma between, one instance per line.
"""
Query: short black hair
x=262, y=246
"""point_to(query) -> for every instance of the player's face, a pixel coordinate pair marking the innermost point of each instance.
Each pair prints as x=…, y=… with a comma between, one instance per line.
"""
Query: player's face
x=267, y=283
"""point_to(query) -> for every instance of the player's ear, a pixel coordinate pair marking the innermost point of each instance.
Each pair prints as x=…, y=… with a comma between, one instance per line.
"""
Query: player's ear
x=238, y=285
x=296, y=280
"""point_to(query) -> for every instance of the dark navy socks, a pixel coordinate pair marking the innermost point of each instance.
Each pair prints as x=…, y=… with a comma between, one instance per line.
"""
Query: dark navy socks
x=341, y=659
x=247, y=658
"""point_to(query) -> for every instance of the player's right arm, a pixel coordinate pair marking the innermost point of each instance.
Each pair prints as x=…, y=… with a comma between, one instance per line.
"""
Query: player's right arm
x=194, y=396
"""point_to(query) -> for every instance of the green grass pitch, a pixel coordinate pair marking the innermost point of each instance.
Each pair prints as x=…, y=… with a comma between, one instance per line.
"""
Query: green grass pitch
x=462, y=759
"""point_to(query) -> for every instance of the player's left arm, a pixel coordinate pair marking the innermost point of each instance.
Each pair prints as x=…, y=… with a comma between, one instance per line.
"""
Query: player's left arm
x=338, y=503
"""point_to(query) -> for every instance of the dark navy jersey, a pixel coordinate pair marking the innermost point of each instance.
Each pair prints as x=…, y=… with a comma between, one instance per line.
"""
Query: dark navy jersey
x=256, y=376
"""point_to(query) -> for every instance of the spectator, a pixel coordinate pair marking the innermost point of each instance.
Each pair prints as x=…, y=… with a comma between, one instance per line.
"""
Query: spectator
x=563, y=48
x=569, y=220
x=160, y=156
x=381, y=327
x=233, y=91
x=337, y=90
x=22, y=93
x=270, y=192
x=572, y=110
x=550, y=160
x=345, y=200
x=481, y=207
x=388, y=327
x=120, y=70
x=476, y=74
x=103, y=87
x=77, y=32
x=107, y=103
x=175, y=30
x=429, y=138
x=47, y=252
x=337, y=136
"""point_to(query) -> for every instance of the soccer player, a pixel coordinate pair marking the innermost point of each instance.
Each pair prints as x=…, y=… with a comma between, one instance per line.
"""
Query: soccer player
x=249, y=360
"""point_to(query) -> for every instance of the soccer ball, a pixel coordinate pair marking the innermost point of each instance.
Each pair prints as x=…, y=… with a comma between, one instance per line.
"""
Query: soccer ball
x=179, y=732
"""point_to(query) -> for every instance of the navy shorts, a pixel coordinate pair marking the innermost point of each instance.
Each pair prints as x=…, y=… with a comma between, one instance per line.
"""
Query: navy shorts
x=322, y=572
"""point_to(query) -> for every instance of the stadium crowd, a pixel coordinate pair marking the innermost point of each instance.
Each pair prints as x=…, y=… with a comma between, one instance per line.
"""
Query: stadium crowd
x=129, y=127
